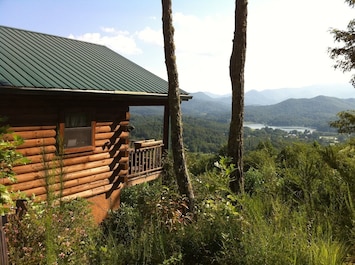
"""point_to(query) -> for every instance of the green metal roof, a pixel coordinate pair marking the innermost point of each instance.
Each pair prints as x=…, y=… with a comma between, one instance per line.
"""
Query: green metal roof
x=41, y=61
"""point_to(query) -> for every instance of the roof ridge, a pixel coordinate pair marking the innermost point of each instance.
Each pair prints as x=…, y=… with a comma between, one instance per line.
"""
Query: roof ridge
x=51, y=35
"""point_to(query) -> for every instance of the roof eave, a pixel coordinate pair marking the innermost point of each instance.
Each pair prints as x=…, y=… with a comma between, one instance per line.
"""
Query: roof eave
x=34, y=90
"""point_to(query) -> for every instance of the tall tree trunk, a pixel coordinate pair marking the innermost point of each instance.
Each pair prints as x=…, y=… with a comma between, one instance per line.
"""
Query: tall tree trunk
x=236, y=71
x=177, y=145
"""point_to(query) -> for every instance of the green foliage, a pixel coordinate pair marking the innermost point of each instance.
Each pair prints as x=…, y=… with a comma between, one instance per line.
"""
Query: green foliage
x=52, y=234
x=345, y=123
x=199, y=163
x=153, y=225
x=260, y=169
x=277, y=234
x=312, y=185
x=206, y=134
x=142, y=230
x=298, y=208
x=8, y=158
x=344, y=56
x=200, y=134
x=53, y=231
x=314, y=112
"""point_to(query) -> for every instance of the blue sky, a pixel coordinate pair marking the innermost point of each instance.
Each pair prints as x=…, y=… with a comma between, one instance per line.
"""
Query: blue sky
x=286, y=47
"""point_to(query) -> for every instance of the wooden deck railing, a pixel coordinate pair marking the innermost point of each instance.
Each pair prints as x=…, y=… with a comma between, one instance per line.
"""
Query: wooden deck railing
x=3, y=247
x=145, y=159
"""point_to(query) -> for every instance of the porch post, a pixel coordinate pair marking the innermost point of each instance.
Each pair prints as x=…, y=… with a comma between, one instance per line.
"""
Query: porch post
x=166, y=126
x=3, y=246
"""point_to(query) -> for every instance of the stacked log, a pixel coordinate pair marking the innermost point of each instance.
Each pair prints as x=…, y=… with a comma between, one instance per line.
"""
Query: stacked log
x=75, y=175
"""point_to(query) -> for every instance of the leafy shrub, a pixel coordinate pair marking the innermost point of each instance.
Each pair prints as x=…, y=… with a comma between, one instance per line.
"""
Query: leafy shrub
x=152, y=225
x=9, y=157
x=200, y=163
x=52, y=234
x=298, y=209
x=143, y=230
x=301, y=192
x=216, y=233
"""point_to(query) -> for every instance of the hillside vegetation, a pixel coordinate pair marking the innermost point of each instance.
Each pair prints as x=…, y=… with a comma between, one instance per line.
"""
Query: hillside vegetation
x=298, y=208
x=315, y=112
x=206, y=120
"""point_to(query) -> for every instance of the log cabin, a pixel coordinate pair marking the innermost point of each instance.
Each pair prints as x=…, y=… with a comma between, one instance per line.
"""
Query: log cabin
x=69, y=100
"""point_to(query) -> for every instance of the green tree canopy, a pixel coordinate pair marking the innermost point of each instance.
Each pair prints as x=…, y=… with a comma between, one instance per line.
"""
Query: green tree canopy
x=345, y=123
x=344, y=55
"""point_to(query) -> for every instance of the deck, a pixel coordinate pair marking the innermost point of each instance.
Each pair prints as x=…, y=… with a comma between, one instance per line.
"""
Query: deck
x=145, y=161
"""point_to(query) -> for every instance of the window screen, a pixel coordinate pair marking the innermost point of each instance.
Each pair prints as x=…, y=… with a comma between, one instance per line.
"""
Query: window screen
x=77, y=130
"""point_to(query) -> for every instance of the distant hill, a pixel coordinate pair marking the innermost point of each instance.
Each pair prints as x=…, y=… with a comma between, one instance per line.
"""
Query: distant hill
x=211, y=105
x=315, y=112
x=274, y=96
x=200, y=105
x=311, y=112
x=203, y=105
x=207, y=104
x=205, y=117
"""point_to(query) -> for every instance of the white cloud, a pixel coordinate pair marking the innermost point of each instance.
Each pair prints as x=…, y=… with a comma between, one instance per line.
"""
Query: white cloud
x=203, y=47
x=288, y=41
x=108, y=30
x=287, y=45
x=153, y=17
x=151, y=36
x=206, y=36
x=119, y=41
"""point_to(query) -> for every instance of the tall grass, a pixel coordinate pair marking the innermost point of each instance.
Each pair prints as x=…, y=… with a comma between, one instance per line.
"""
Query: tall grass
x=51, y=232
x=277, y=234
x=265, y=226
x=297, y=210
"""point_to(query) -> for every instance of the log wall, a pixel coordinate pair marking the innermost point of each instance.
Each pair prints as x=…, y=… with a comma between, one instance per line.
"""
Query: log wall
x=88, y=174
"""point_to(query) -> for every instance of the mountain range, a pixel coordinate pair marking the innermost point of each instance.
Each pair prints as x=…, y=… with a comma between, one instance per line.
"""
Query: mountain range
x=274, y=96
x=309, y=112
x=309, y=106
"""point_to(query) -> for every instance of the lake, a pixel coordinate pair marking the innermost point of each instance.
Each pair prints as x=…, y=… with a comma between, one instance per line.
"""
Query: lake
x=259, y=126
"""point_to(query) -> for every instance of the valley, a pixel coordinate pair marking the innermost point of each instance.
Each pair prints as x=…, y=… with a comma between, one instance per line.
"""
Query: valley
x=206, y=121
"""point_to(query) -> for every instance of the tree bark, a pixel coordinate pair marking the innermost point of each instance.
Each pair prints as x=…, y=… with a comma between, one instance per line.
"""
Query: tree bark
x=236, y=71
x=177, y=145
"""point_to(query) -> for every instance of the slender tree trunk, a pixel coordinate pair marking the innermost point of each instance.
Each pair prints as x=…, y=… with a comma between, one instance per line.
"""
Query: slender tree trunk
x=236, y=68
x=177, y=145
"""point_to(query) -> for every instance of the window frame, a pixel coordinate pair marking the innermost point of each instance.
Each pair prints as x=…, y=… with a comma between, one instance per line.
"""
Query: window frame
x=62, y=127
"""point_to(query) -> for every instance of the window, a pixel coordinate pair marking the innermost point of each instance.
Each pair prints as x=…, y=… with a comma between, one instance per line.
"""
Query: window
x=77, y=132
